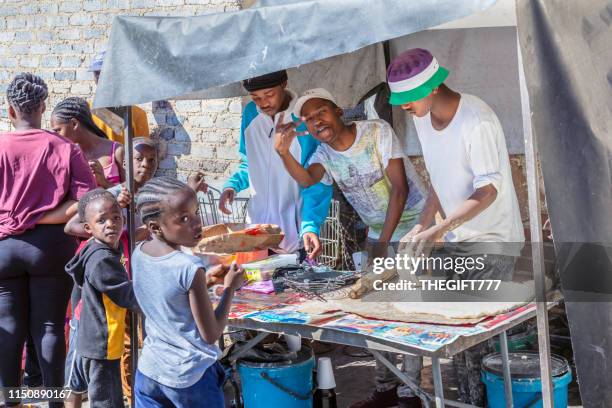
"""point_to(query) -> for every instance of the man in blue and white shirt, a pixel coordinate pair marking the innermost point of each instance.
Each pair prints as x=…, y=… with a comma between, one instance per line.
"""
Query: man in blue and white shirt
x=276, y=198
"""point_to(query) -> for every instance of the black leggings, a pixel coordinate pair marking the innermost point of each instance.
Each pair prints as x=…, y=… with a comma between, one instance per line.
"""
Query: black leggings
x=34, y=293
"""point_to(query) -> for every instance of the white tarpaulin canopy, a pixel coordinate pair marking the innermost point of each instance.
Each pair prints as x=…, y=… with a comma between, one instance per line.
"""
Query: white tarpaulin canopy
x=161, y=58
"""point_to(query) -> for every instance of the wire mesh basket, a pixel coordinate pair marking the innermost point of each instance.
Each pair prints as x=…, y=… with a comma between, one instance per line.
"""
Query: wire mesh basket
x=210, y=213
x=318, y=287
x=312, y=281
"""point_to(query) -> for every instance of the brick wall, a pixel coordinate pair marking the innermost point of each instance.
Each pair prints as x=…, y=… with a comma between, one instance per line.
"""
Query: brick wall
x=57, y=40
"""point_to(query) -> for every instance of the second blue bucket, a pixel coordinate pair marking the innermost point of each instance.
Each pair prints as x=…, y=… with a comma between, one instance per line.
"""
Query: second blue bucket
x=286, y=384
x=526, y=382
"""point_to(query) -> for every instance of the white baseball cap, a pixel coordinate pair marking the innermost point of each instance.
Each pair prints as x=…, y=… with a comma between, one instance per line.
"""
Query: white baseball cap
x=316, y=93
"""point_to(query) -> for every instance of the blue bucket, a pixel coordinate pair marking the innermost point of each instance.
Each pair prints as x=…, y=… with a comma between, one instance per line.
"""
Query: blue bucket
x=288, y=384
x=526, y=383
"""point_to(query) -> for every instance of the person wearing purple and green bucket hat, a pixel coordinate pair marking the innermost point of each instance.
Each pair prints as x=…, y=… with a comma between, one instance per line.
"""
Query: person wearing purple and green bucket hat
x=465, y=153
x=413, y=76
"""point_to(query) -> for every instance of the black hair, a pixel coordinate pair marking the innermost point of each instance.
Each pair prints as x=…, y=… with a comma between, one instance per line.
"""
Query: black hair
x=150, y=196
x=92, y=196
x=26, y=92
x=77, y=108
x=265, y=81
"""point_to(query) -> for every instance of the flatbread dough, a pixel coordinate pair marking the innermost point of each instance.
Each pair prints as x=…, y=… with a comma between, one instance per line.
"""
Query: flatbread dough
x=377, y=305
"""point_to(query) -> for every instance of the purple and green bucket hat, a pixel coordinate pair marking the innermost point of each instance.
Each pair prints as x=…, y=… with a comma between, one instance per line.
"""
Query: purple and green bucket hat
x=413, y=75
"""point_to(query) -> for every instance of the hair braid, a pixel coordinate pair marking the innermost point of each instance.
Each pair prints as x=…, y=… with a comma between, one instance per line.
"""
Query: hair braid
x=77, y=108
x=26, y=92
x=150, y=196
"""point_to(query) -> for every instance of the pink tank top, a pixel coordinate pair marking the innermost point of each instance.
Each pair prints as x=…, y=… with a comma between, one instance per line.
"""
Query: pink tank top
x=111, y=172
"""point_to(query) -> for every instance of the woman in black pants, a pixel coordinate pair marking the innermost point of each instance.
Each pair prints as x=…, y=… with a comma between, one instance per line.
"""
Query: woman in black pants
x=42, y=175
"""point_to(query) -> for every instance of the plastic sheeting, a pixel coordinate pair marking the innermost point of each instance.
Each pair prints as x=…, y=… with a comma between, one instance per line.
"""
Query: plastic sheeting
x=348, y=77
x=568, y=68
x=160, y=58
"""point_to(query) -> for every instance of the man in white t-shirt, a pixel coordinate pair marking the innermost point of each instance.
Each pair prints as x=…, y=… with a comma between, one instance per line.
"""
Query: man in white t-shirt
x=364, y=158
x=471, y=182
x=366, y=161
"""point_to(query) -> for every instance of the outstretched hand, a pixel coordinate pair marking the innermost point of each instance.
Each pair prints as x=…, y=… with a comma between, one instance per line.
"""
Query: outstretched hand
x=420, y=241
x=312, y=245
x=196, y=182
x=284, y=133
x=124, y=198
x=226, y=200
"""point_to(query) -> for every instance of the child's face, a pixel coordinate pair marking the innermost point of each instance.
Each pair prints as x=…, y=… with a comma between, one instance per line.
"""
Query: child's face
x=323, y=119
x=180, y=221
x=269, y=100
x=104, y=221
x=145, y=163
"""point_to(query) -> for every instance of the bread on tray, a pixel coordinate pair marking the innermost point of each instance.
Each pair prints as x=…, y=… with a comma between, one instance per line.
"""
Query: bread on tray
x=238, y=237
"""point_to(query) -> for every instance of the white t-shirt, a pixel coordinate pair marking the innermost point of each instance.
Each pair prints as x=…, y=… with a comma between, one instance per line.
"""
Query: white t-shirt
x=468, y=154
x=360, y=174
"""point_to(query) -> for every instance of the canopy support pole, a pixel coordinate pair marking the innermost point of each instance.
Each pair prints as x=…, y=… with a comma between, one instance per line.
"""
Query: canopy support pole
x=129, y=182
x=503, y=343
x=537, y=250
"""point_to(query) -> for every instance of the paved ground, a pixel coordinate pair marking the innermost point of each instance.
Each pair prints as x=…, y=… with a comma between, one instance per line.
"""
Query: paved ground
x=355, y=377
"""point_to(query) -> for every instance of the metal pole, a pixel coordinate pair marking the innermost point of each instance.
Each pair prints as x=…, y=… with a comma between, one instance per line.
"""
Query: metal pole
x=535, y=225
x=437, y=378
x=402, y=376
x=248, y=346
x=503, y=343
x=129, y=182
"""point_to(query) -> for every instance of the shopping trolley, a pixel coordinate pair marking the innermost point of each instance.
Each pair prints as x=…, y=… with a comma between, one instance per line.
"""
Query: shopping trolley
x=330, y=236
x=210, y=213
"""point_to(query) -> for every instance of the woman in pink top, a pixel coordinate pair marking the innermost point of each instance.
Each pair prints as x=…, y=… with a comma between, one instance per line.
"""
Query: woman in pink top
x=72, y=119
x=42, y=175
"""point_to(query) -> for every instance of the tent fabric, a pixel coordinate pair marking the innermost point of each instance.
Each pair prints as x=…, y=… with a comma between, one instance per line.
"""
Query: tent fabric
x=346, y=76
x=567, y=58
x=161, y=58
x=568, y=67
